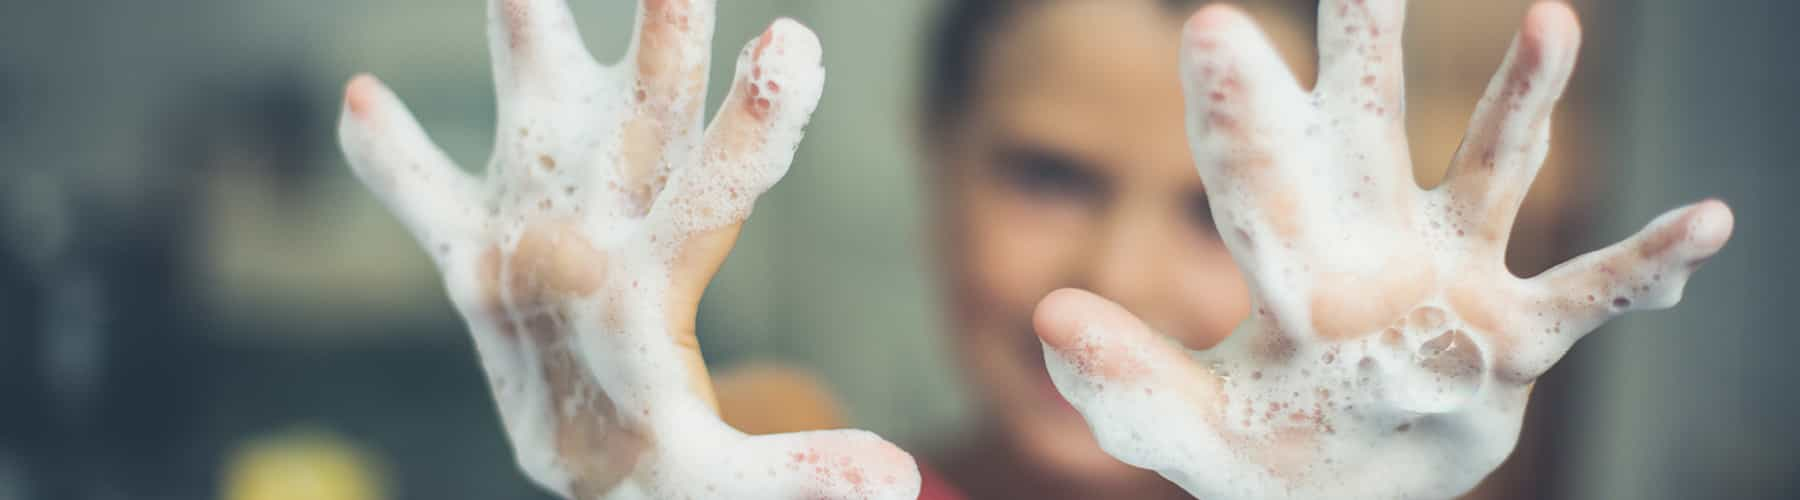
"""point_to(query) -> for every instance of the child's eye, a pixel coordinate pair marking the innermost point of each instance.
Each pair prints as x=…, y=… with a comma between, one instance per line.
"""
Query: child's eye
x=1047, y=174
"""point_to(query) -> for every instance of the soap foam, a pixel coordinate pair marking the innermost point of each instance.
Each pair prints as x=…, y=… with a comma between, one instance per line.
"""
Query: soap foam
x=562, y=261
x=1390, y=354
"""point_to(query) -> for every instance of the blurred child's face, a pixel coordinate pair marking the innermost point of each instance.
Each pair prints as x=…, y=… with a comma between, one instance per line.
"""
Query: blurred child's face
x=1072, y=169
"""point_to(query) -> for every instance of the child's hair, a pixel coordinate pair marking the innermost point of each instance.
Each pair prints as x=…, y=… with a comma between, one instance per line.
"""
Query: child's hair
x=954, y=51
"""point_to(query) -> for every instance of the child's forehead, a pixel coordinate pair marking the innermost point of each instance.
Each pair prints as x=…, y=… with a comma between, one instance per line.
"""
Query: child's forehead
x=1072, y=42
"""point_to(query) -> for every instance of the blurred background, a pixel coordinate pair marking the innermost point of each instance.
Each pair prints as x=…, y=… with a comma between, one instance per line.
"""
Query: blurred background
x=198, y=301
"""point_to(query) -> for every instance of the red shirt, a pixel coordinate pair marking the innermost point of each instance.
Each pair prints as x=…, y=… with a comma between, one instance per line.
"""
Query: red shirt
x=932, y=486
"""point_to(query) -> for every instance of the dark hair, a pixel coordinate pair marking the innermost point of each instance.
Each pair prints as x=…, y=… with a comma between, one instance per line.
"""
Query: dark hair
x=953, y=57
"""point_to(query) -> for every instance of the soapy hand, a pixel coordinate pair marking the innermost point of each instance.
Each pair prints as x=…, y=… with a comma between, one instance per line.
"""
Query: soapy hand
x=1390, y=352
x=579, y=260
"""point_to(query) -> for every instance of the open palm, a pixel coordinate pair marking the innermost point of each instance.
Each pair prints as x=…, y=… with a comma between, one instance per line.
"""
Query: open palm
x=579, y=261
x=1390, y=352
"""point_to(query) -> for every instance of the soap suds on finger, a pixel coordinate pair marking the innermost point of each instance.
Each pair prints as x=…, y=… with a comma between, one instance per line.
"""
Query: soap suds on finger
x=1389, y=353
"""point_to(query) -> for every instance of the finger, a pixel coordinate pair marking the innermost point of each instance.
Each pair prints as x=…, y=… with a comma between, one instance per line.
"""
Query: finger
x=531, y=41
x=1233, y=77
x=1645, y=272
x=671, y=52
x=842, y=464
x=1100, y=339
x=1126, y=379
x=1509, y=135
x=1360, y=63
x=391, y=154
x=745, y=151
x=1242, y=105
x=670, y=56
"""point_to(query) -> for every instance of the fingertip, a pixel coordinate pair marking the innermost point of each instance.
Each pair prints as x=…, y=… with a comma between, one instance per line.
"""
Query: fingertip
x=859, y=464
x=1061, y=316
x=1231, y=62
x=1551, y=24
x=1211, y=27
x=1215, y=18
x=783, y=66
x=1097, y=335
x=361, y=95
x=1711, y=224
x=1689, y=233
x=798, y=41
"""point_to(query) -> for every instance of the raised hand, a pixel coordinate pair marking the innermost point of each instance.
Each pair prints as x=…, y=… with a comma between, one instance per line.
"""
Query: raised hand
x=579, y=261
x=1390, y=352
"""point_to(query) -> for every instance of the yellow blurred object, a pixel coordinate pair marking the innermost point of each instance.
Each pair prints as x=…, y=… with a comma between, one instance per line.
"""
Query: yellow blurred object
x=308, y=464
x=771, y=398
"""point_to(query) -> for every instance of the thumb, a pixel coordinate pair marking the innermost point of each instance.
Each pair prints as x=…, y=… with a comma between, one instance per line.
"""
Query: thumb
x=1102, y=341
x=837, y=464
x=1122, y=377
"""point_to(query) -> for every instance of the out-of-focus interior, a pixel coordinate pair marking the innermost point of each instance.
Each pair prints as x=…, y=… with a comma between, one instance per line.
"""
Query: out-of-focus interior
x=197, y=299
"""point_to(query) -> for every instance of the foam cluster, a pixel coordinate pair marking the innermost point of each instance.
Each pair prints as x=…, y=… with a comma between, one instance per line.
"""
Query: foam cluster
x=579, y=259
x=1390, y=353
